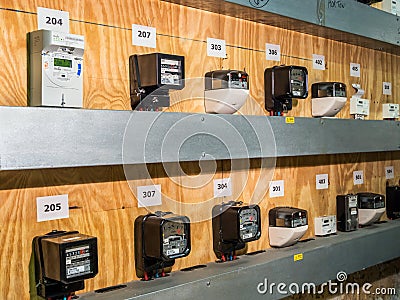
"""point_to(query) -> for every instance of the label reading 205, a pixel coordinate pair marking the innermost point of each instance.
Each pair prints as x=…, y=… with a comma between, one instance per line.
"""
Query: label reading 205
x=52, y=208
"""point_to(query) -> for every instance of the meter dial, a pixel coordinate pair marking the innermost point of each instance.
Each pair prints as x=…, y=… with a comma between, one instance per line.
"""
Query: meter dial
x=298, y=82
x=175, y=238
x=248, y=219
x=62, y=69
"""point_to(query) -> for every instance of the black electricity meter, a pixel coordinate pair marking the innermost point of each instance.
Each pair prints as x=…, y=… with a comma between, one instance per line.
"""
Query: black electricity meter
x=281, y=85
x=152, y=76
x=63, y=260
x=160, y=238
x=347, y=212
x=234, y=225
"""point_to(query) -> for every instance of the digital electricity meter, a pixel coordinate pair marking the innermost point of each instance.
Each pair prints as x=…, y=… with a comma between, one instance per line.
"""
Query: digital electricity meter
x=347, y=212
x=63, y=260
x=287, y=225
x=281, y=85
x=226, y=91
x=393, y=202
x=234, y=225
x=151, y=78
x=55, y=69
x=160, y=238
x=327, y=98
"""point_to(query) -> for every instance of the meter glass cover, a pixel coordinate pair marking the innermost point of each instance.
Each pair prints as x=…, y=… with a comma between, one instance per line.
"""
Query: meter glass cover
x=171, y=71
x=297, y=80
x=237, y=80
x=61, y=62
x=248, y=220
x=174, y=238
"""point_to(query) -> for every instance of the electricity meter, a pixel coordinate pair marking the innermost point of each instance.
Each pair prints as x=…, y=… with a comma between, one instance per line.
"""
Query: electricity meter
x=151, y=77
x=287, y=225
x=226, y=91
x=347, y=212
x=393, y=202
x=55, y=69
x=325, y=225
x=234, y=225
x=281, y=85
x=327, y=98
x=63, y=260
x=160, y=238
x=390, y=111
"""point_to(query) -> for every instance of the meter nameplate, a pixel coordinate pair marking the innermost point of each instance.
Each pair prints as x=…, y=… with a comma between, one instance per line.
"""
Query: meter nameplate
x=77, y=261
x=248, y=219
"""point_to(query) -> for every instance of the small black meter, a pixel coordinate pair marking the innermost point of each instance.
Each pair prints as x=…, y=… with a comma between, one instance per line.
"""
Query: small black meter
x=234, y=225
x=393, y=202
x=152, y=76
x=282, y=84
x=63, y=260
x=160, y=238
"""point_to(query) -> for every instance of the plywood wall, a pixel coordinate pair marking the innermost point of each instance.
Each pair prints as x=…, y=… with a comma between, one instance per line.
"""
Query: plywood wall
x=105, y=205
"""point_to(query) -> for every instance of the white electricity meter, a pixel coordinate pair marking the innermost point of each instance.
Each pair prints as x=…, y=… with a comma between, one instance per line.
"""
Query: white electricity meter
x=55, y=69
x=390, y=111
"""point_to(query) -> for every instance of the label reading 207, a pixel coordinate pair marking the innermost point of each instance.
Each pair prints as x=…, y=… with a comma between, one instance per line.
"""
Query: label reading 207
x=144, y=36
x=52, y=208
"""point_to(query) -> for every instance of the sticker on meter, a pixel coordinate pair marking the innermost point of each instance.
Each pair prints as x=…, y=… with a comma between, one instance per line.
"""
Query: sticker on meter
x=247, y=236
x=52, y=19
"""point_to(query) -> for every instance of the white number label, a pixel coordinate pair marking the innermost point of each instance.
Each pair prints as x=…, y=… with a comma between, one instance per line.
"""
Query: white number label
x=52, y=19
x=222, y=187
x=321, y=181
x=52, y=208
x=149, y=195
x=389, y=171
x=216, y=48
x=355, y=69
x=318, y=62
x=273, y=52
x=387, y=88
x=144, y=36
x=277, y=188
x=358, y=177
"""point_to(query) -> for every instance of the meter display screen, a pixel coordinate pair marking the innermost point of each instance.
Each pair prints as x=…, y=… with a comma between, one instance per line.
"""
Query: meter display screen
x=77, y=261
x=171, y=71
x=297, y=81
x=237, y=80
x=248, y=219
x=61, y=62
x=174, y=238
